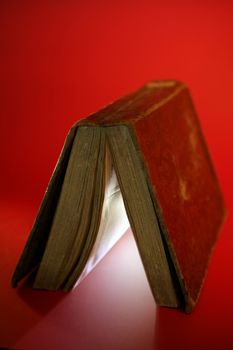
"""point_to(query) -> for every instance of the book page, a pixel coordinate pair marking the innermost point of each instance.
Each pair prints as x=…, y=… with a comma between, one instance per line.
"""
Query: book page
x=114, y=221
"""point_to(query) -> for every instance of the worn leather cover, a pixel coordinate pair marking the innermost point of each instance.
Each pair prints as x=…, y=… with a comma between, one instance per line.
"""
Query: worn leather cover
x=186, y=193
x=183, y=184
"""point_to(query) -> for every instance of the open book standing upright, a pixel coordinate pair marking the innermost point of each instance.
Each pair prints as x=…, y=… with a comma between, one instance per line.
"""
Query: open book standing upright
x=143, y=155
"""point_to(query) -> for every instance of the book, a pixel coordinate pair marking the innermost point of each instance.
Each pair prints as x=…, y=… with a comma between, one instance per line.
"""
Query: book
x=141, y=162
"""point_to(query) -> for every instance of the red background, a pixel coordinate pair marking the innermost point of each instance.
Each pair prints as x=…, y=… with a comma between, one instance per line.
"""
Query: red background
x=60, y=61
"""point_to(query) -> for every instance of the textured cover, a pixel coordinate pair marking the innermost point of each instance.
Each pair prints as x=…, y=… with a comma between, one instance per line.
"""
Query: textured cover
x=184, y=186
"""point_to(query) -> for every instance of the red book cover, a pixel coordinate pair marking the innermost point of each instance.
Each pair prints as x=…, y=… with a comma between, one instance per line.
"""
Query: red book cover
x=187, y=195
x=184, y=188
